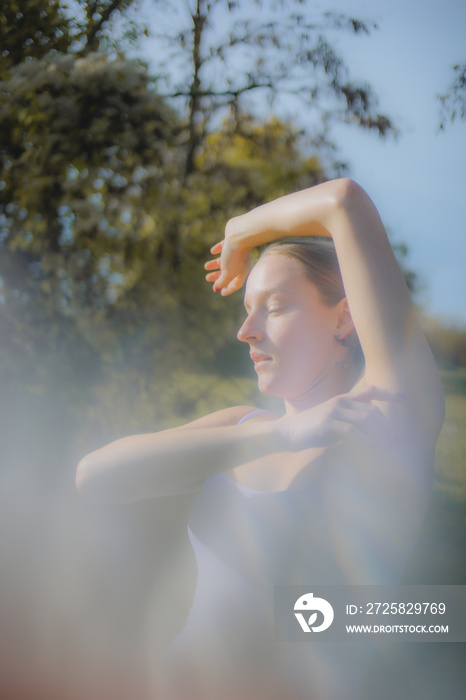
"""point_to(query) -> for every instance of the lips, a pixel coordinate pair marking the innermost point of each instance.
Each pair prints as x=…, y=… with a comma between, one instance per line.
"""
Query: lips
x=257, y=357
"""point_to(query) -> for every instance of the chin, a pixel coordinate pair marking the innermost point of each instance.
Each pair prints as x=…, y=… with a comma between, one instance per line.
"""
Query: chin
x=288, y=388
x=271, y=386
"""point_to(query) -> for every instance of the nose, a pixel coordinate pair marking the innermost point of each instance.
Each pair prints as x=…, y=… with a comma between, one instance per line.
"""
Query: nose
x=250, y=330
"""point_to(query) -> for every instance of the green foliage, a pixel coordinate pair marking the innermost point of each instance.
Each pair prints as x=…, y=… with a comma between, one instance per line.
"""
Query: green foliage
x=248, y=161
x=95, y=32
x=83, y=151
x=451, y=449
x=172, y=322
x=222, y=54
x=109, y=200
x=32, y=29
x=453, y=101
x=102, y=238
x=448, y=342
x=225, y=51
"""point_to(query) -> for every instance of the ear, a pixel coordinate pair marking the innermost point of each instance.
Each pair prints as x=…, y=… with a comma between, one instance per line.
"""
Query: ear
x=345, y=324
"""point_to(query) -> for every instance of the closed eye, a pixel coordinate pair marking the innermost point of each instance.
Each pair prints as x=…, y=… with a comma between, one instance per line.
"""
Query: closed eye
x=276, y=310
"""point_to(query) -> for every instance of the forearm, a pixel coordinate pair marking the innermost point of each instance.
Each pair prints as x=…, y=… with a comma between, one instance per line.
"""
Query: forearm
x=169, y=462
x=305, y=213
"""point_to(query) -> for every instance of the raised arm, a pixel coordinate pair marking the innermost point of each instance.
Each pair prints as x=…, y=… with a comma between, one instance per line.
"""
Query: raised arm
x=397, y=354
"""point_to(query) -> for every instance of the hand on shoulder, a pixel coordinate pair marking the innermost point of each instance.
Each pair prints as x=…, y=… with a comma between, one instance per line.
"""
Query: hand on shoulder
x=346, y=416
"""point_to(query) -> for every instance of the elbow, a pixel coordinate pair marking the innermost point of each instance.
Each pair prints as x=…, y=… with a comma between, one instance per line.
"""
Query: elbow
x=350, y=202
x=102, y=478
x=89, y=481
x=348, y=193
x=83, y=479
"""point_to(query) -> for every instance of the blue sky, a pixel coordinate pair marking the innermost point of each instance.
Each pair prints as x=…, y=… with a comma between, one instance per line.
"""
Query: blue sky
x=418, y=182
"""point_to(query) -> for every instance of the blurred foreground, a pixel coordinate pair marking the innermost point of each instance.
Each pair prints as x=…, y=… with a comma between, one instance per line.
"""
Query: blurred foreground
x=91, y=593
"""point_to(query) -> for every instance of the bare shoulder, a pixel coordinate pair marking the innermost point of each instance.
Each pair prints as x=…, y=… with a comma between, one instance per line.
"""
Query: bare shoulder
x=227, y=416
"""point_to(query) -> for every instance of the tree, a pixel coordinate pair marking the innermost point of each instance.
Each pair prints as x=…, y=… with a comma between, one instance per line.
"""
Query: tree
x=84, y=151
x=178, y=335
x=101, y=242
x=84, y=147
x=109, y=199
x=36, y=28
x=215, y=54
x=453, y=101
x=32, y=29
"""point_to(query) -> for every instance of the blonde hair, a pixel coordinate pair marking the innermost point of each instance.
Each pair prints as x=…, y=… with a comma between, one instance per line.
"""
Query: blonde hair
x=318, y=257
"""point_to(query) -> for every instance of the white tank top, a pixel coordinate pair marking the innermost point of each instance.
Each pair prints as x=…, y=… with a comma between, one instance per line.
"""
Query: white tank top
x=245, y=541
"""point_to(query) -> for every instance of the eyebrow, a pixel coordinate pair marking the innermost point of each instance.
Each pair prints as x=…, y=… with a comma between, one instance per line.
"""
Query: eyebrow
x=271, y=291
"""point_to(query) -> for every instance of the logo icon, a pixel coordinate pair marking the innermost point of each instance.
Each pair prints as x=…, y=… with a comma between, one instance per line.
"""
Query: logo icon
x=309, y=604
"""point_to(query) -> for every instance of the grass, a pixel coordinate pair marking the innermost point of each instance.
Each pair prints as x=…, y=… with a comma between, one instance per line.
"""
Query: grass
x=451, y=450
x=439, y=556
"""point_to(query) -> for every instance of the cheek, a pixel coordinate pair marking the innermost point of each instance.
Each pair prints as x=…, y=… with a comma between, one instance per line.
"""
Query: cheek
x=298, y=331
x=305, y=343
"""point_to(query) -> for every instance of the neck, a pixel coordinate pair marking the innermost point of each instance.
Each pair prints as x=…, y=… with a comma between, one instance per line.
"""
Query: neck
x=339, y=381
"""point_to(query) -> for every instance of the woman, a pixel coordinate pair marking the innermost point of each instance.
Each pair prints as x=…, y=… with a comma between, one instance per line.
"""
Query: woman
x=331, y=492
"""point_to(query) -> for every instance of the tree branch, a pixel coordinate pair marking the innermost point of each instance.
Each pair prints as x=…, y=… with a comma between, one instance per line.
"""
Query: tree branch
x=216, y=93
x=97, y=26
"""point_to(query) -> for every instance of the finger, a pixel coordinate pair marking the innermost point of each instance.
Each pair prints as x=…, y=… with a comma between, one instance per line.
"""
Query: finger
x=375, y=393
x=219, y=280
x=233, y=286
x=212, y=264
x=217, y=248
x=226, y=291
x=349, y=403
x=212, y=276
x=367, y=421
x=352, y=414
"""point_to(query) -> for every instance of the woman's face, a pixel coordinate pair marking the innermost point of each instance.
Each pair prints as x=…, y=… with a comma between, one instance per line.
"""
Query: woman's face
x=290, y=331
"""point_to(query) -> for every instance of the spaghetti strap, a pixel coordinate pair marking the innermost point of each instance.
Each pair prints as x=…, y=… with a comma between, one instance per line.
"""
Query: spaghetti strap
x=252, y=414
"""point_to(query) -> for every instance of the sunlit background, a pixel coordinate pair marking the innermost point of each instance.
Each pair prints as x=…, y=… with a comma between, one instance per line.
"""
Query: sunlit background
x=110, y=197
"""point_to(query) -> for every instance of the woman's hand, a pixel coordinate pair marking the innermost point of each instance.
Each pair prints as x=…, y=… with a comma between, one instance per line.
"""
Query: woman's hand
x=231, y=268
x=350, y=416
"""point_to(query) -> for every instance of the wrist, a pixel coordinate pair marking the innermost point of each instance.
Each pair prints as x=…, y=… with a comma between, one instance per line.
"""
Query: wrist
x=249, y=230
x=235, y=231
x=268, y=436
x=279, y=434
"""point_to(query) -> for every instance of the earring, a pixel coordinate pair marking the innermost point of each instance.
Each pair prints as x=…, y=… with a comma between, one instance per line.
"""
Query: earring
x=346, y=342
